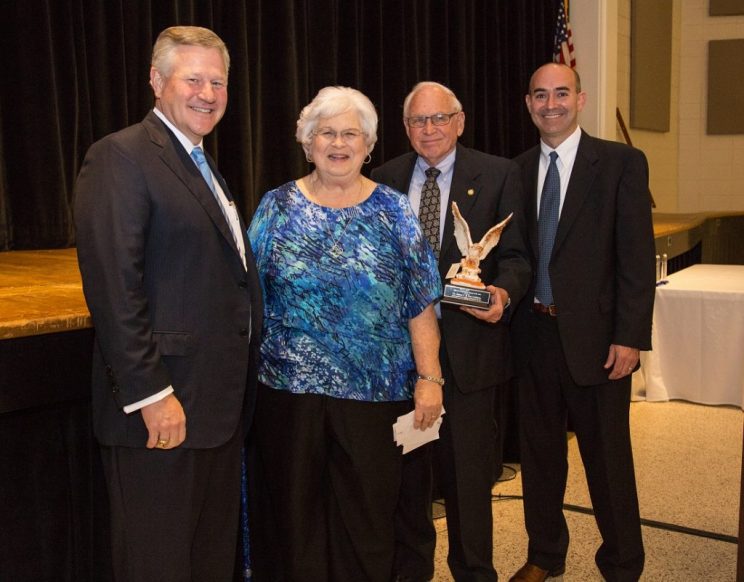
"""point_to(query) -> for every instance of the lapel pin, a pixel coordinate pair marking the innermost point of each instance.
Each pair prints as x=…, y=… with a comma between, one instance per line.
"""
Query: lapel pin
x=471, y=191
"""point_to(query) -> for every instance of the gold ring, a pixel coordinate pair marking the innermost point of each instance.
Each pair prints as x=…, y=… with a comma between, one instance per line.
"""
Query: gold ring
x=162, y=443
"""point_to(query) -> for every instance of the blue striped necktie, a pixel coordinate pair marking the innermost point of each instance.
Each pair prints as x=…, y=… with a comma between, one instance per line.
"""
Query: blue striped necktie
x=547, y=225
x=197, y=154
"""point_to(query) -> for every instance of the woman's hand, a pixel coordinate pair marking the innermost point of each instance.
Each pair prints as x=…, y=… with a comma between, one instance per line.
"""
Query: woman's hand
x=427, y=397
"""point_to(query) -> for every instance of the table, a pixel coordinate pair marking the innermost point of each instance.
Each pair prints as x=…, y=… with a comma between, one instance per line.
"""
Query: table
x=53, y=501
x=40, y=293
x=698, y=337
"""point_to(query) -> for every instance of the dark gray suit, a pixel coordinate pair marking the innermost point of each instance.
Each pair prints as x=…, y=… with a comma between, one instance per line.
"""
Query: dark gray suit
x=476, y=360
x=170, y=299
x=602, y=276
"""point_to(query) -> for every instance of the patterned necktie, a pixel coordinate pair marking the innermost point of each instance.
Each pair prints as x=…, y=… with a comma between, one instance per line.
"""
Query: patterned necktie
x=429, y=209
x=197, y=154
x=547, y=224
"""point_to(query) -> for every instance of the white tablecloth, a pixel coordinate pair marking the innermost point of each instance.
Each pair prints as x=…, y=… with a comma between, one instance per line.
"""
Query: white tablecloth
x=698, y=337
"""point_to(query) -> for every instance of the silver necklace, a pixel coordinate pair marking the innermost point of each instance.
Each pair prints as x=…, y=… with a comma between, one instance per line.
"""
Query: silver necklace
x=336, y=249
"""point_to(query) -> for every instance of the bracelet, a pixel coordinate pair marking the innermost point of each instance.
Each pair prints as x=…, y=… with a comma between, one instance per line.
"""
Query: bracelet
x=434, y=379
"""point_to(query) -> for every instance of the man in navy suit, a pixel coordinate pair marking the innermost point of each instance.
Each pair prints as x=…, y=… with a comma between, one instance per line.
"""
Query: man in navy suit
x=171, y=285
x=579, y=329
x=475, y=352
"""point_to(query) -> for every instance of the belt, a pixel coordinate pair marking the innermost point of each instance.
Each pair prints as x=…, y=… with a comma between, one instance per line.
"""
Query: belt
x=550, y=310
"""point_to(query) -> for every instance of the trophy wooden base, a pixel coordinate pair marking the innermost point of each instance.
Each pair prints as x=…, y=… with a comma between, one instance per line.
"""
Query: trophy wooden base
x=467, y=296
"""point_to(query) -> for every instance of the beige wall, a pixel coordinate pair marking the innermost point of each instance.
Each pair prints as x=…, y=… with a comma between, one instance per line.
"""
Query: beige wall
x=711, y=167
x=689, y=170
x=661, y=149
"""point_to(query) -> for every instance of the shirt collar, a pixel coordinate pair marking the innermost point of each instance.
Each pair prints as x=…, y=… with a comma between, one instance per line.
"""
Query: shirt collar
x=185, y=142
x=444, y=166
x=567, y=148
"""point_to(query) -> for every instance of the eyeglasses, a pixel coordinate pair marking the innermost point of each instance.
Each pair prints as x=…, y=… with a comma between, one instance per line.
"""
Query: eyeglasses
x=330, y=135
x=436, y=119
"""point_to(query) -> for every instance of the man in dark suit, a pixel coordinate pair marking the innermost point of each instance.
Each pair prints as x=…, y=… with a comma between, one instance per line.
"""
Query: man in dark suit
x=579, y=329
x=475, y=352
x=171, y=285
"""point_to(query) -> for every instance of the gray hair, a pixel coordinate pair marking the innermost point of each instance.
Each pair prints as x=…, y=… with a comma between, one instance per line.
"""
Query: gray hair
x=426, y=84
x=332, y=101
x=176, y=36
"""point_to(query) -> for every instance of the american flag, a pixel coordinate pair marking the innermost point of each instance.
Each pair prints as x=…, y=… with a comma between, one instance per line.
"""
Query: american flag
x=563, y=49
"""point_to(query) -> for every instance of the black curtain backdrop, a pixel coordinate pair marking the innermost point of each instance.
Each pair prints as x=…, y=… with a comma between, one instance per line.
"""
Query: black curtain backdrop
x=75, y=70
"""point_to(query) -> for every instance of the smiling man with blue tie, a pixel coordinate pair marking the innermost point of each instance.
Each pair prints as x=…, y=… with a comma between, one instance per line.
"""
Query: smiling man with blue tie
x=172, y=288
x=578, y=331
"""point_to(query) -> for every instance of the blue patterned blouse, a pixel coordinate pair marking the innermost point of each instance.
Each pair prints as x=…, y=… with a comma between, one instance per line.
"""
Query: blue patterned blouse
x=340, y=285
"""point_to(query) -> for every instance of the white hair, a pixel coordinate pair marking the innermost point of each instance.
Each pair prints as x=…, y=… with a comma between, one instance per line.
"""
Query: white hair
x=332, y=101
x=427, y=84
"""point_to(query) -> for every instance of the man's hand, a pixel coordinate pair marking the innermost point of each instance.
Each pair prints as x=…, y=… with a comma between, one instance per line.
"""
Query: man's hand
x=165, y=422
x=622, y=360
x=494, y=313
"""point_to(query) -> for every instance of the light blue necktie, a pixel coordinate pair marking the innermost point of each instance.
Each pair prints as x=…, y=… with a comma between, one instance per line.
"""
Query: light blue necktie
x=197, y=154
x=547, y=225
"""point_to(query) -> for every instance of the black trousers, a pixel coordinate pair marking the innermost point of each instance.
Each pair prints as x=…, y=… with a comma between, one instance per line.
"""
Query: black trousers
x=174, y=513
x=464, y=454
x=548, y=399
x=325, y=488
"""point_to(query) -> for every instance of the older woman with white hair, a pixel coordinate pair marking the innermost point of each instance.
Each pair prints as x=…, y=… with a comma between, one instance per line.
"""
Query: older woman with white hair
x=350, y=336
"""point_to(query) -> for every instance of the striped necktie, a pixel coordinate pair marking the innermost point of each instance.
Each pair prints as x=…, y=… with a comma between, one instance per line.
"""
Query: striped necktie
x=197, y=154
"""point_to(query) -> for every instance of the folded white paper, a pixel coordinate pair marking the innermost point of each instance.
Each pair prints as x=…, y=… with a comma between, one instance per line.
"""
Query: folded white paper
x=411, y=438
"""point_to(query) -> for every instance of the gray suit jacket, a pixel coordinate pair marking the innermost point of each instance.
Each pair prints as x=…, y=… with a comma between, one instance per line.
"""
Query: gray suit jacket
x=487, y=189
x=170, y=300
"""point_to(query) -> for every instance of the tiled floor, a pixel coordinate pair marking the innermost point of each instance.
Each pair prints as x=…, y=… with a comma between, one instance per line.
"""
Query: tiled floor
x=688, y=467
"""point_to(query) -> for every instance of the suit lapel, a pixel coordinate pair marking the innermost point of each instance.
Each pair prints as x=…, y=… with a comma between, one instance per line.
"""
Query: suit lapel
x=582, y=177
x=464, y=190
x=400, y=178
x=175, y=157
x=530, y=180
x=229, y=196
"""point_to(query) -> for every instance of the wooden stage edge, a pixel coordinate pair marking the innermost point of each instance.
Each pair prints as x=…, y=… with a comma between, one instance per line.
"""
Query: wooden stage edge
x=41, y=291
x=666, y=224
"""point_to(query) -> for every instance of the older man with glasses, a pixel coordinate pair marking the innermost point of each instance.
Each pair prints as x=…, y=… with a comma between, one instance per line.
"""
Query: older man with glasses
x=475, y=353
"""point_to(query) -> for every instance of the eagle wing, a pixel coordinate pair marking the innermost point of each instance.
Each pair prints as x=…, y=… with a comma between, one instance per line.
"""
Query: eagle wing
x=491, y=238
x=462, y=231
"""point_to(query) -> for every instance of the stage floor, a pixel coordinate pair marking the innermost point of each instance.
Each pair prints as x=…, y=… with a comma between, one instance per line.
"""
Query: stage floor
x=666, y=224
x=41, y=292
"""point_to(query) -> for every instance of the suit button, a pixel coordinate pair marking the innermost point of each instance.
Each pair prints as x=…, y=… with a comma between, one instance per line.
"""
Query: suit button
x=243, y=284
x=244, y=332
x=115, y=388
